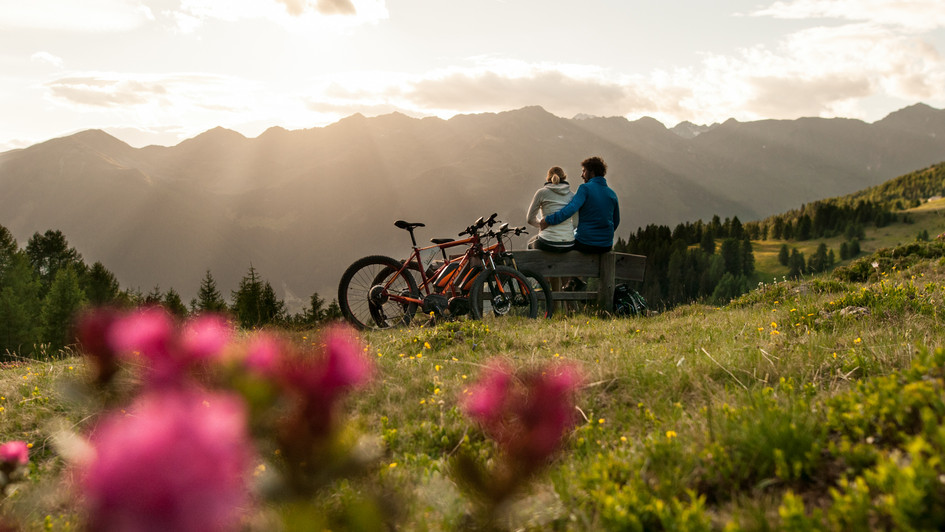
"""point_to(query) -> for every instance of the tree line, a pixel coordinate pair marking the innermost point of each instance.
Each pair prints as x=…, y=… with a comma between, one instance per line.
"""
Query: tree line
x=696, y=261
x=44, y=284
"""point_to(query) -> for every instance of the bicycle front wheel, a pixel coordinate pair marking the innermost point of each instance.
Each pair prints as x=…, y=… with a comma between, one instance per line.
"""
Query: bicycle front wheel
x=365, y=290
x=546, y=302
x=502, y=292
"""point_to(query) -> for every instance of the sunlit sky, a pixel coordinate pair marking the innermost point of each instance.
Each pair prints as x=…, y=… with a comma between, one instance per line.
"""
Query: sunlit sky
x=160, y=71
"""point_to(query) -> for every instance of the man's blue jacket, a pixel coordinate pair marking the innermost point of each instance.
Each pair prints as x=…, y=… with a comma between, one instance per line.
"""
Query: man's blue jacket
x=598, y=213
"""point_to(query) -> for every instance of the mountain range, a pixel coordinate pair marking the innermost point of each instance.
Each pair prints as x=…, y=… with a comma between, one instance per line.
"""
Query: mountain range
x=300, y=206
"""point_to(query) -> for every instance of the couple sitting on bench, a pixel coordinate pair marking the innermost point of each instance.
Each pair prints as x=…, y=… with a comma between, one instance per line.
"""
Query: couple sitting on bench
x=594, y=211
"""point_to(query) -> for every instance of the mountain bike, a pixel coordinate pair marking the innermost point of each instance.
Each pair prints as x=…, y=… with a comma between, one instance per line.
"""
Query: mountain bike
x=502, y=255
x=378, y=292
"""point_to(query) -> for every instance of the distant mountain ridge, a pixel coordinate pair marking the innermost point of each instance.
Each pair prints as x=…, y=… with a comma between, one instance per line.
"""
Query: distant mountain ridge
x=301, y=205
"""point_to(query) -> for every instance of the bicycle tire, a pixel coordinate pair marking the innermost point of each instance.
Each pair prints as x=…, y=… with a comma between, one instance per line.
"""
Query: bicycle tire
x=371, y=274
x=516, y=297
x=546, y=302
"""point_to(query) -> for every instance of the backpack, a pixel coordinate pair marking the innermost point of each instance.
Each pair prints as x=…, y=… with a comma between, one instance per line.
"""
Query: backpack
x=628, y=302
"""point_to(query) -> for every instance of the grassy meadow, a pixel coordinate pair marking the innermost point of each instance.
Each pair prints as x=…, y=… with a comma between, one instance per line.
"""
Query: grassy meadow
x=815, y=404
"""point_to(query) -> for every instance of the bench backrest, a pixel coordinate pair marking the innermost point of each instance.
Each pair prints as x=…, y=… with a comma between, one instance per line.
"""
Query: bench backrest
x=626, y=267
x=608, y=267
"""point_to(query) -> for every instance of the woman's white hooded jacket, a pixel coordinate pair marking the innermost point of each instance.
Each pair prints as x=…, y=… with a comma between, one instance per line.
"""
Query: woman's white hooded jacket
x=549, y=199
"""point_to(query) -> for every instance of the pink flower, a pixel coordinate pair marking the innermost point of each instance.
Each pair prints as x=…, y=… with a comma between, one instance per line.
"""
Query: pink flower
x=528, y=416
x=205, y=336
x=345, y=365
x=264, y=354
x=178, y=460
x=14, y=453
x=92, y=330
x=319, y=382
x=488, y=396
x=148, y=331
x=169, y=349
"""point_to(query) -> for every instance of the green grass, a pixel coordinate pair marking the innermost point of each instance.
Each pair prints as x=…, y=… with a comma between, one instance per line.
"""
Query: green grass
x=811, y=405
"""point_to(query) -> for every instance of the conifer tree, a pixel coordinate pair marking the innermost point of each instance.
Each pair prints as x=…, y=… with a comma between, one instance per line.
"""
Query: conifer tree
x=209, y=298
x=8, y=248
x=731, y=254
x=784, y=254
x=333, y=312
x=49, y=253
x=747, y=255
x=20, y=307
x=246, y=300
x=796, y=264
x=273, y=308
x=316, y=311
x=154, y=297
x=707, y=243
x=173, y=303
x=100, y=285
x=60, y=306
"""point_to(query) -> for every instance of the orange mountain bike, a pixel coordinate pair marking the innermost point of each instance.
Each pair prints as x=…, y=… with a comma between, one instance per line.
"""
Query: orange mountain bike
x=378, y=292
x=503, y=255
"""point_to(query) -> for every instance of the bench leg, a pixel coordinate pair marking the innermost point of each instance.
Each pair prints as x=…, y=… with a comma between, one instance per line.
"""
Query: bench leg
x=605, y=294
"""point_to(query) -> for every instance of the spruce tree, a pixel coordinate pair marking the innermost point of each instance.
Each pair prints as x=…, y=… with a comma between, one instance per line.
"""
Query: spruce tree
x=100, y=285
x=209, y=298
x=316, y=311
x=173, y=303
x=247, y=300
x=784, y=254
x=60, y=307
x=20, y=307
x=8, y=248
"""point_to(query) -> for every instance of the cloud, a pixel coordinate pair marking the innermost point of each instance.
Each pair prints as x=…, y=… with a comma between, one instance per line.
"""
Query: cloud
x=916, y=15
x=155, y=95
x=325, y=7
x=293, y=15
x=71, y=15
x=48, y=58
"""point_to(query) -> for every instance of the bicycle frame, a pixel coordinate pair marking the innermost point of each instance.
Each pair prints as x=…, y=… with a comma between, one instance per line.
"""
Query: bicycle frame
x=457, y=273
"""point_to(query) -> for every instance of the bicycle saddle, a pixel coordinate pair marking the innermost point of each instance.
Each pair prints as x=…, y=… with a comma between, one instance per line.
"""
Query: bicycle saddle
x=441, y=240
x=407, y=225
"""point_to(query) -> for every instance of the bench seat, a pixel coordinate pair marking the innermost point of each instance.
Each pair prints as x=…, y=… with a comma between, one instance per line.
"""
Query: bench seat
x=608, y=267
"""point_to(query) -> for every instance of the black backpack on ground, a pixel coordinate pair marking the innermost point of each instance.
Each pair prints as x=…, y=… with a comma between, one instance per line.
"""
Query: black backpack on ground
x=628, y=302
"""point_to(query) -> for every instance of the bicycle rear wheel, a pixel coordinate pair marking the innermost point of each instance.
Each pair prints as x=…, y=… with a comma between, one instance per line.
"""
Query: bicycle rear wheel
x=365, y=289
x=502, y=292
x=546, y=302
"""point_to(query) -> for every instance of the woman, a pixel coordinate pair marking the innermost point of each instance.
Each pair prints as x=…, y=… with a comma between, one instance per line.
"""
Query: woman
x=549, y=199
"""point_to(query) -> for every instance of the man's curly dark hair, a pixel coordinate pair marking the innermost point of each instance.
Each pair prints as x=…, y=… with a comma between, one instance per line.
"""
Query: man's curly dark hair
x=595, y=165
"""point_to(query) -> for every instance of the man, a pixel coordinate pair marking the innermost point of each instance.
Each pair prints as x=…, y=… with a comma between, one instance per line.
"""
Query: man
x=597, y=208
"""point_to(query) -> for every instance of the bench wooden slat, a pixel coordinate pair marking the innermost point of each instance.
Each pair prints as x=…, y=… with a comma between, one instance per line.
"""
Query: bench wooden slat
x=574, y=296
x=575, y=264
x=608, y=267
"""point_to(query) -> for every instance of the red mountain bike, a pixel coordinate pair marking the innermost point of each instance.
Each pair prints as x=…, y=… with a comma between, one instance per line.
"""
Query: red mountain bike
x=378, y=292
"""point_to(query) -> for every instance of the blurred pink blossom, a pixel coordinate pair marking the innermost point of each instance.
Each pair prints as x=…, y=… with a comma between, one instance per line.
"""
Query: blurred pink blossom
x=528, y=415
x=168, y=347
x=205, y=336
x=92, y=334
x=320, y=381
x=264, y=353
x=14, y=453
x=177, y=460
x=488, y=395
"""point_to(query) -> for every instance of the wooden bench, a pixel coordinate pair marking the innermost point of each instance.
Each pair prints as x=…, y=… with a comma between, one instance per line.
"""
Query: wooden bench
x=608, y=267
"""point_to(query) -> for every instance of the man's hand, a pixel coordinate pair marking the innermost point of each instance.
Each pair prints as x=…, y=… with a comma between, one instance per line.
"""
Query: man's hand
x=543, y=225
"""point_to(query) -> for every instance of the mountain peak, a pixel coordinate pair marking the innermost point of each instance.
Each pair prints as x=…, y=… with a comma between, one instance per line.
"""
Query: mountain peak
x=917, y=118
